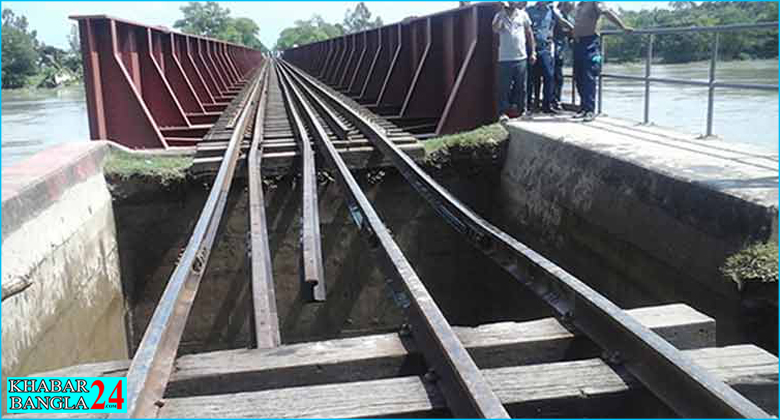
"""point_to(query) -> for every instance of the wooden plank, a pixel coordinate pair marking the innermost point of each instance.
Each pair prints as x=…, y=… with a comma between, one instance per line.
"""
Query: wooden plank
x=386, y=355
x=573, y=388
x=281, y=162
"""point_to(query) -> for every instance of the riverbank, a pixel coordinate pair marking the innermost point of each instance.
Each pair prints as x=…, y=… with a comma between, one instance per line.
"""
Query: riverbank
x=34, y=88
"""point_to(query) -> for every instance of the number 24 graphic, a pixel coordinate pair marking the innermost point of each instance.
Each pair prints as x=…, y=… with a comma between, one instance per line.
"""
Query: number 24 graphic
x=117, y=390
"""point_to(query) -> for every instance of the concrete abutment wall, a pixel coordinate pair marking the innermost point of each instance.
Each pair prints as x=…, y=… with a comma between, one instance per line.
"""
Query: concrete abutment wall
x=642, y=217
x=59, y=244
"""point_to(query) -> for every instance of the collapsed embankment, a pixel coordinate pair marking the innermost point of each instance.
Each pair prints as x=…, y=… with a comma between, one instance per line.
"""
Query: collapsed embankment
x=154, y=220
x=135, y=222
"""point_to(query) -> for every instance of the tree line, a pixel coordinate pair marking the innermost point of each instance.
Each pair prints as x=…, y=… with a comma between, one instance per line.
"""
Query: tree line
x=316, y=29
x=688, y=47
x=28, y=62
x=211, y=20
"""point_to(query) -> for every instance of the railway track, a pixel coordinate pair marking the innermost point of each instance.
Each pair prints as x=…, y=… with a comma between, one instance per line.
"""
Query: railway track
x=284, y=110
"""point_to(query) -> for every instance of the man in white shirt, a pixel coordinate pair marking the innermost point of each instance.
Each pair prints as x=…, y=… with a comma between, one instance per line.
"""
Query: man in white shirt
x=516, y=39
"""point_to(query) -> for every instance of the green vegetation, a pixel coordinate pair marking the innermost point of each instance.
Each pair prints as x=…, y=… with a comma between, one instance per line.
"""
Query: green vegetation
x=756, y=263
x=306, y=32
x=489, y=135
x=316, y=29
x=164, y=168
x=211, y=20
x=360, y=19
x=683, y=48
x=28, y=62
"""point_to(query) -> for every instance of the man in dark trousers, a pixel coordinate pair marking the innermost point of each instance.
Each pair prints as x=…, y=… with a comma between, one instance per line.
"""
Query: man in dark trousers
x=587, y=52
x=512, y=25
x=544, y=19
x=562, y=39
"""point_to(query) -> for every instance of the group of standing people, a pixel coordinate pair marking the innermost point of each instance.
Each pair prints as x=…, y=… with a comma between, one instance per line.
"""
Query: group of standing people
x=532, y=47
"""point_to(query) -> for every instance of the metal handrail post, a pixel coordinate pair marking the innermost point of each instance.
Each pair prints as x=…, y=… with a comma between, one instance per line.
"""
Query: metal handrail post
x=648, y=68
x=711, y=98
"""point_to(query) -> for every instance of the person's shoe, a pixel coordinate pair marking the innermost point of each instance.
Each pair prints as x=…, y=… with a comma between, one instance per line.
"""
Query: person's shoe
x=550, y=111
x=589, y=116
x=556, y=107
x=580, y=114
x=503, y=118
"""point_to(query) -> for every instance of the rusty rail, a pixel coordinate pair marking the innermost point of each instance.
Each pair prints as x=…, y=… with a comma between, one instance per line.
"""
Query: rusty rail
x=266, y=321
x=465, y=389
x=668, y=373
x=150, y=87
x=152, y=364
x=312, y=268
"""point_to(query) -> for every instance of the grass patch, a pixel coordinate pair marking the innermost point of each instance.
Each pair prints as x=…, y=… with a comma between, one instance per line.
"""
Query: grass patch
x=756, y=263
x=164, y=168
x=489, y=135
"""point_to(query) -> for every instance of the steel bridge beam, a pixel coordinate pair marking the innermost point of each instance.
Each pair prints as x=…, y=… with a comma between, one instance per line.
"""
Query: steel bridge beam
x=149, y=87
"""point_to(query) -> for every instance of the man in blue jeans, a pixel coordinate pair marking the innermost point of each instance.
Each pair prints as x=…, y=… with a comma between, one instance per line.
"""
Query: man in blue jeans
x=512, y=25
x=544, y=19
x=587, y=53
x=561, y=38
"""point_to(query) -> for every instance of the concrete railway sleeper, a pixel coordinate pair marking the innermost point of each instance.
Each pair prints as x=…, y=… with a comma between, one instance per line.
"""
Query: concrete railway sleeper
x=671, y=375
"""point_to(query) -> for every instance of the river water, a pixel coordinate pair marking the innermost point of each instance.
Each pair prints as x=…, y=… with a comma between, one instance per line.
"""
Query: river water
x=740, y=115
x=35, y=120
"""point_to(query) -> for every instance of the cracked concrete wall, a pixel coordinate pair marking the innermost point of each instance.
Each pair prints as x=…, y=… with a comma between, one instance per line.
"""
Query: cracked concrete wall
x=59, y=237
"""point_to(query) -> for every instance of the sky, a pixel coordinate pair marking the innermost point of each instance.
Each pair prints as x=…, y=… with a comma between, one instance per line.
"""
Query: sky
x=50, y=19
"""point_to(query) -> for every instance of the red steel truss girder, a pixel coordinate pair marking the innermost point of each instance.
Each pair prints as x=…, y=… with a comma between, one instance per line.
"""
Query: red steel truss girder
x=366, y=64
x=149, y=87
x=440, y=67
x=349, y=66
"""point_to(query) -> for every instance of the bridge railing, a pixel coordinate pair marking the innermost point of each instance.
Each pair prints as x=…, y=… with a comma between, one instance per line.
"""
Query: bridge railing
x=150, y=87
x=712, y=83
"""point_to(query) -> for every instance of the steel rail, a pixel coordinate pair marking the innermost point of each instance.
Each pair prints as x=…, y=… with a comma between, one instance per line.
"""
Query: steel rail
x=266, y=320
x=151, y=367
x=325, y=112
x=673, y=377
x=457, y=376
x=311, y=247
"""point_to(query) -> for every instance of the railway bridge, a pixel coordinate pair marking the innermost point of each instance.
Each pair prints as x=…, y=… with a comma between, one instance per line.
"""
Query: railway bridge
x=365, y=103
